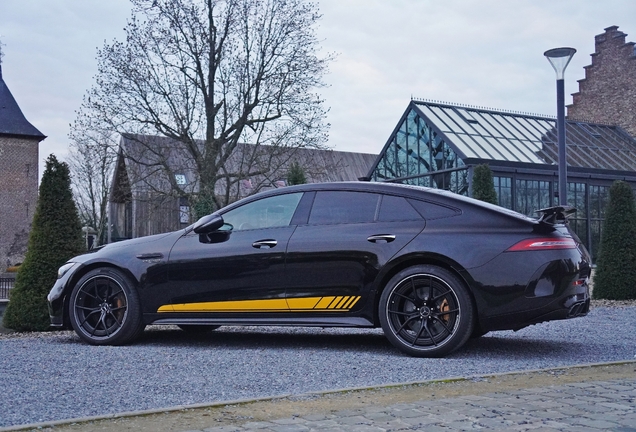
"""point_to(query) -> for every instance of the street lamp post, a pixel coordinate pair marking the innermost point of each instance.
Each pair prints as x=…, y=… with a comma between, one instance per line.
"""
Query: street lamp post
x=559, y=58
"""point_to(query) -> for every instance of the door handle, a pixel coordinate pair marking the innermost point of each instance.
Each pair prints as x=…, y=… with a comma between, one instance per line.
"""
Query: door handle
x=264, y=244
x=381, y=238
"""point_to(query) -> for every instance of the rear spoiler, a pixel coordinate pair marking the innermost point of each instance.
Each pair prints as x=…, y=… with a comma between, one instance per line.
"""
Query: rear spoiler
x=555, y=215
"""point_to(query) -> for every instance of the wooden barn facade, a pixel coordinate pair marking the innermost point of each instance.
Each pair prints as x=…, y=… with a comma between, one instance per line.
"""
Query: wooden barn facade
x=153, y=179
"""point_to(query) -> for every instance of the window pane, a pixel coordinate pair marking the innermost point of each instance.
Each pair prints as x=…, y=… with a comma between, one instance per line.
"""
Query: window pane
x=437, y=151
x=401, y=152
x=338, y=207
x=412, y=147
x=424, y=156
x=269, y=212
x=504, y=191
x=396, y=209
x=429, y=210
x=576, y=198
x=532, y=195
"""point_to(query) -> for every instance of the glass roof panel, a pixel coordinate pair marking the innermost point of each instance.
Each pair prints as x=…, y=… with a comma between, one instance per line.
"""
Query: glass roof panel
x=463, y=144
x=517, y=153
x=487, y=149
x=490, y=129
x=512, y=127
x=454, y=122
x=536, y=128
x=526, y=129
x=499, y=122
x=478, y=129
x=467, y=115
x=458, y=123
x=488, y=134
x=440, y=119
x=544, y=125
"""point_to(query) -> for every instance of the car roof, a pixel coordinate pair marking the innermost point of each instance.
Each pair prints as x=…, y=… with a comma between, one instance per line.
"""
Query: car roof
x=420, y=192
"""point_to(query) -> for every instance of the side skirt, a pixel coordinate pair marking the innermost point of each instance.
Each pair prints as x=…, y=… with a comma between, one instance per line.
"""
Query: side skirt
x=299, y=322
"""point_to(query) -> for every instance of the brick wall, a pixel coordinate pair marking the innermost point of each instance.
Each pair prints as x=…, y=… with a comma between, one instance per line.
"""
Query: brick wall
x=607, y=94
x=18, y=196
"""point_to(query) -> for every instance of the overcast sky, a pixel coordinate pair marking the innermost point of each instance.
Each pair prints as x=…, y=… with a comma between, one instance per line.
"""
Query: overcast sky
x=487, y=53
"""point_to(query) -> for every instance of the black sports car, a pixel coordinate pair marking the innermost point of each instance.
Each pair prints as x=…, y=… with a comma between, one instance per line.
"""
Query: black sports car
x=430, y=267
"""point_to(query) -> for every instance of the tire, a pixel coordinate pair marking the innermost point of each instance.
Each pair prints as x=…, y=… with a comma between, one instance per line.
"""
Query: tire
x=197, y=329
x=426, y=311
x=104, y=308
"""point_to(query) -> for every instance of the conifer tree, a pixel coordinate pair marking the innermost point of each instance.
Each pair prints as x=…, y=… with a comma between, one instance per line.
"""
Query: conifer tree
x=483, y=185
x=56, y=236
x=616, y=265
x=296, y=175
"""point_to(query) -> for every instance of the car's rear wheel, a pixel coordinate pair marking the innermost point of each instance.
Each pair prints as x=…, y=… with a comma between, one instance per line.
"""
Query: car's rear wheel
x=104, y=308
x=426, y=311
x=197, y=328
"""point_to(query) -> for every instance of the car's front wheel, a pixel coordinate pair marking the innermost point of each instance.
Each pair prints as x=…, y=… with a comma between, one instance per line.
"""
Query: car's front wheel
x=426, y=311
x=104, y=308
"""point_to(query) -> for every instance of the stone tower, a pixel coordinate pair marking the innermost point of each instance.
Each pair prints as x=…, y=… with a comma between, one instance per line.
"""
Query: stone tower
x=607, y=94
x=19, y=141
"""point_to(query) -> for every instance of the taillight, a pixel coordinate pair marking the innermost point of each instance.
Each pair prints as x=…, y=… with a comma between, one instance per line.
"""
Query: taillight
x=543, y=244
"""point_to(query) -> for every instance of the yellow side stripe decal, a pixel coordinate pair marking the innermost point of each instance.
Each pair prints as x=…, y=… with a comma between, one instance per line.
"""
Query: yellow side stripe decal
x=302, y=304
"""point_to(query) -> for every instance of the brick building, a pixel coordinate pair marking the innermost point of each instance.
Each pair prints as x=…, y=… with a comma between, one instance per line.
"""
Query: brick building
x=19, y=141
x=607, y=94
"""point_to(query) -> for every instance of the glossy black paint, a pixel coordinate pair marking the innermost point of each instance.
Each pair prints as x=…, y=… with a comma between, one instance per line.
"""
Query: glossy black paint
x=509, y=290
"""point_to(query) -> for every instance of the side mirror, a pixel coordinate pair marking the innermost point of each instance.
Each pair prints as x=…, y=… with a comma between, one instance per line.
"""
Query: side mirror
x=208, y=224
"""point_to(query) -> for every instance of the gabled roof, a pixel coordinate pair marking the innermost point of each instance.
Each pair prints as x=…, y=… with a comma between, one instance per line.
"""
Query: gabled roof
x=142, y=157
x=12, y=121
x=492, y=135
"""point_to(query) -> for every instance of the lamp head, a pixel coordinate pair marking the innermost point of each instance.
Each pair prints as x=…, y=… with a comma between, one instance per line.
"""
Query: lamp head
x=559, y=58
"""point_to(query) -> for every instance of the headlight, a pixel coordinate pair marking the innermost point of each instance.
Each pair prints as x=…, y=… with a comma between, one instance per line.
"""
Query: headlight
x=66, y=267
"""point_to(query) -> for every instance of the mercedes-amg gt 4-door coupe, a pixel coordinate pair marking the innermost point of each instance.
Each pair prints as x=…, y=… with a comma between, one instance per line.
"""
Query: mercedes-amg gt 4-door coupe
x=430, y=267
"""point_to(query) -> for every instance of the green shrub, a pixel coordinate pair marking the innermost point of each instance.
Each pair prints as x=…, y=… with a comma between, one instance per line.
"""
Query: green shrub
x=483, y=185
x=615, y=276
x=56, y=236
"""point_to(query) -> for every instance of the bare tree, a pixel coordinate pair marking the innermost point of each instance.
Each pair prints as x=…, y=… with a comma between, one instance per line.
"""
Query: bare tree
x=92, y=160
x=211, y=74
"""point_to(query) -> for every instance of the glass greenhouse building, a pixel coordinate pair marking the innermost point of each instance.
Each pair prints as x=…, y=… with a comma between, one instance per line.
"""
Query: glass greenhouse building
x=438, y=145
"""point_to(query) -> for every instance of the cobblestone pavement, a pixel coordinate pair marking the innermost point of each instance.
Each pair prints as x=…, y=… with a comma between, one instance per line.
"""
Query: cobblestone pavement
x=582, y=407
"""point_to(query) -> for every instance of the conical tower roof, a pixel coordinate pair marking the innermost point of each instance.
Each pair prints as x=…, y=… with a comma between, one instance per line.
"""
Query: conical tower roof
x=12, y=121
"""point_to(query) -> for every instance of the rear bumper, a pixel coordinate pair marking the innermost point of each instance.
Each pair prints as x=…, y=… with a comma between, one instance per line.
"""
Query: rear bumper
x=573, y=303
x=546, y=286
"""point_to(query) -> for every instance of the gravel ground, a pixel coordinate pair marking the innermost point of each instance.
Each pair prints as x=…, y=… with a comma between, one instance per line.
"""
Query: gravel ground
x=52, y=376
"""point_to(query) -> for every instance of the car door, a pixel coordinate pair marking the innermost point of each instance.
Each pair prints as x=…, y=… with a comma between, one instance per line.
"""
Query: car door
x=242, y=270
x=333, y=259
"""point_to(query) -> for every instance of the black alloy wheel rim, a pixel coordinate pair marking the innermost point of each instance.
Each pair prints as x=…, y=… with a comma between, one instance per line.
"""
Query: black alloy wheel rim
x=100, y=307
x=423, y=311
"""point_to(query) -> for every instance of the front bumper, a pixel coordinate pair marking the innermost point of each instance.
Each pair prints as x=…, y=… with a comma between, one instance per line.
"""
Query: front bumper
x=56, y=297
x=56, y=305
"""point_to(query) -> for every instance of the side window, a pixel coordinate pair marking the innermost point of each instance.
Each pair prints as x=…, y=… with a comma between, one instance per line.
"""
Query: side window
x=395, y=208
x=341, y=207
x=276, y=211
x=430, y=210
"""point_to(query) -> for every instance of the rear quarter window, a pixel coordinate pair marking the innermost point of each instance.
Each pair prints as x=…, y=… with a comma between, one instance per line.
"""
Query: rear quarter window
x=430, y=210
x=394, y=208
